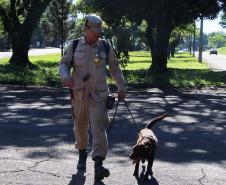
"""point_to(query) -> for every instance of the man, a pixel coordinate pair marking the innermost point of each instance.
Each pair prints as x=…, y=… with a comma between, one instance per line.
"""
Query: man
x=90, y=91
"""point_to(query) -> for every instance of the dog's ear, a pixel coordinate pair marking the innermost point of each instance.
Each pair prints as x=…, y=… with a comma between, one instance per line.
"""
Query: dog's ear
x=134, y=146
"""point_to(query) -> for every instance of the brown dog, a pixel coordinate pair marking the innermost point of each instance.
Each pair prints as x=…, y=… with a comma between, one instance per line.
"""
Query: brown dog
x=145, y=148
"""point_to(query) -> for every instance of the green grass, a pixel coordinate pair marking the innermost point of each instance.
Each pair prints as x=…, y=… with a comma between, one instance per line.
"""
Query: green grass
x=184, y=71
x=46, y=73
x=222, y=50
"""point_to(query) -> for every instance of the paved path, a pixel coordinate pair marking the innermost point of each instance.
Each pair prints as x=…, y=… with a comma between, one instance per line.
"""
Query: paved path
x=36, y=138
x=33, y=52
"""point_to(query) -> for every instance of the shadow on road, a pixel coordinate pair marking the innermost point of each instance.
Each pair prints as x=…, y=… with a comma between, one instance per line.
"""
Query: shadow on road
x=78, y=179
x=195, y=131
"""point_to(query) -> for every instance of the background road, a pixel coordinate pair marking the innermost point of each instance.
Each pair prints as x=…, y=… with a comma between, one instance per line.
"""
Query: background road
x=215, y=62
x=36, y=138
x=33, y=52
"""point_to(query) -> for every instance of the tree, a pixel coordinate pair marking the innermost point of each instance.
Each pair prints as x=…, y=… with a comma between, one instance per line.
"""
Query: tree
x=162, y=17
x=223, y=20
x=4, y=44
x=20, y=17
x=177, y=36
x=217, y=39
x=2, y=32
x=55, y=22
x=118, y=29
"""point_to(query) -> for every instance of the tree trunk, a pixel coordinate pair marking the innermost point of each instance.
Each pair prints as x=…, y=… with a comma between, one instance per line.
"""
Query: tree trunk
x=20, y=32
x=190, y=44
x=172, y=50
x=20, y=47
x=158, y=38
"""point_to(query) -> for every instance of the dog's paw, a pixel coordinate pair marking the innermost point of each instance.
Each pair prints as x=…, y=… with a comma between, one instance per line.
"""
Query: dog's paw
x=146, y=176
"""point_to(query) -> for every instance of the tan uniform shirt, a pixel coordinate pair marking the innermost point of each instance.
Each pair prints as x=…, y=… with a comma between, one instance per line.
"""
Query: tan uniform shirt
x=91, y=60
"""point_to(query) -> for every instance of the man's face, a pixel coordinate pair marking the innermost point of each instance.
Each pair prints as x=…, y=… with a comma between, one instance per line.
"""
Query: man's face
x=91, y=36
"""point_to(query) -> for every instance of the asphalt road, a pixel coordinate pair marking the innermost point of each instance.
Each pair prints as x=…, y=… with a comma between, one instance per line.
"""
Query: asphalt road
x=36, y=138
x=33, y=52
x=215, y=62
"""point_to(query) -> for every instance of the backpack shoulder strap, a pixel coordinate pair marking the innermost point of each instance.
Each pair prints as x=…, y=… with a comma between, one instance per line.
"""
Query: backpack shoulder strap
x=75, y=44
x=106, y=48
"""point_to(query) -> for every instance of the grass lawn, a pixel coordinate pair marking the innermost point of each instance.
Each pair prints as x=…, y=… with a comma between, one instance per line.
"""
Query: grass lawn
x=222, y=50
x=46, y=73
x=184, y=71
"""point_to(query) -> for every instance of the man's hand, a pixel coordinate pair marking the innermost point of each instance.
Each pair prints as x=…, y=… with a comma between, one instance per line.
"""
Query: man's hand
x=121, y=94
x=68, y=82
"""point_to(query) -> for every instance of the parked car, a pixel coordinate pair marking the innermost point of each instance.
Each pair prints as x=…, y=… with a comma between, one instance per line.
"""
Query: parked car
x=213, y=51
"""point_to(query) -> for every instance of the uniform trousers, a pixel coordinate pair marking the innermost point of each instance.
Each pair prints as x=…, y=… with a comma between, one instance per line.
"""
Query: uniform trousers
x=88, y=111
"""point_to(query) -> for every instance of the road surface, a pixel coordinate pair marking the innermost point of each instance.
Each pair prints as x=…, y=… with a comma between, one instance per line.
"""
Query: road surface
x=36, y=138
x=215, y=62
x=33, y=52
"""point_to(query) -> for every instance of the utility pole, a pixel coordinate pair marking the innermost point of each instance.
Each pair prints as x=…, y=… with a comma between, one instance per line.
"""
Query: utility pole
x=201, y=40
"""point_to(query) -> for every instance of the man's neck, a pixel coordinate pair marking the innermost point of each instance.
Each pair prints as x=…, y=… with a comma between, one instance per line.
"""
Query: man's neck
x=89, y=42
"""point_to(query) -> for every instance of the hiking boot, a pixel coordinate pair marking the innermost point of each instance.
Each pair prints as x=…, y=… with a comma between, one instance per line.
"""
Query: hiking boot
x=82, y=160
x=99, y=171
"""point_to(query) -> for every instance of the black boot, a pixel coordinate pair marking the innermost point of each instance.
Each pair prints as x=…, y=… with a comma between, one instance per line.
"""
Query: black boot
x=100, y=172
x=82, y=160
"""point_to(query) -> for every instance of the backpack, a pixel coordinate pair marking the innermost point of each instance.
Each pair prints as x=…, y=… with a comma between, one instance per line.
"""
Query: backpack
x=105, y=44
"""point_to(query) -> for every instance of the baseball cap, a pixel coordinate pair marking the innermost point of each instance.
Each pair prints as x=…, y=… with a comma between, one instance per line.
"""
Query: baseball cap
x=94, y=23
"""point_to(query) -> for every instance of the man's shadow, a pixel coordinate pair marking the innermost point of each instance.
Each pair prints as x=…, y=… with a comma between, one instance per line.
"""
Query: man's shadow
x=141, y=181
x=79, y=179
x=98, y=183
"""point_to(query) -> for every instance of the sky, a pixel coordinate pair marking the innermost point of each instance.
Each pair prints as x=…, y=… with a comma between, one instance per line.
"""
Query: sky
x=211, y=26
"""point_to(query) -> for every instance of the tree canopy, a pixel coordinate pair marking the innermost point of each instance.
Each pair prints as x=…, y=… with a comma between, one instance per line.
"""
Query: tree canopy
x=217, y=39
x=223, y=20
x=55, y=21
x=20, y=17
x=162, y=17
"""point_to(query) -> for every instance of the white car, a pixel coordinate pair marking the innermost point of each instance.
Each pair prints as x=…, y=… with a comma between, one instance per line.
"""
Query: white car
x=213, y=51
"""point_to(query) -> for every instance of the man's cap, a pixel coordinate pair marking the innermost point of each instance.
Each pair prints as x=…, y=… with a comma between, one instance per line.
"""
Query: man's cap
x=94, y=23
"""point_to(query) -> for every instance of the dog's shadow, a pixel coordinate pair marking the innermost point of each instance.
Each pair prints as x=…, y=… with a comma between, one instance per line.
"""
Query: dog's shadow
x=78, y=179
x=142, y=181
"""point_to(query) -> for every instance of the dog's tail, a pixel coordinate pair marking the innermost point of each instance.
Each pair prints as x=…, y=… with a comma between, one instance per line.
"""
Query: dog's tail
x=155, y=120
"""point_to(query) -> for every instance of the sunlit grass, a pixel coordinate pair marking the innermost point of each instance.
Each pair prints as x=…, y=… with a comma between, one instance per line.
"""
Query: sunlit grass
x=183, y=71
x=139, y=60
x=222, y=50
x=45, y=74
